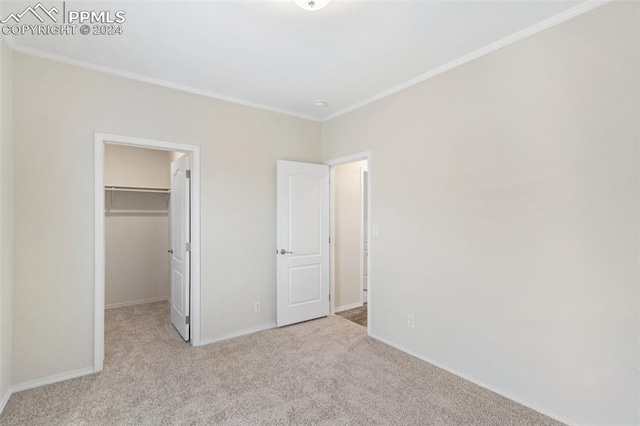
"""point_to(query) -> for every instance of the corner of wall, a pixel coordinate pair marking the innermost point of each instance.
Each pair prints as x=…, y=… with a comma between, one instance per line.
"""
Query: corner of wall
x=6, y=220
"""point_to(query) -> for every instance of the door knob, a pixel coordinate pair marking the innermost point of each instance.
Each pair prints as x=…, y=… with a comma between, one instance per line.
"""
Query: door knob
x=283, y=251
x=170, y=251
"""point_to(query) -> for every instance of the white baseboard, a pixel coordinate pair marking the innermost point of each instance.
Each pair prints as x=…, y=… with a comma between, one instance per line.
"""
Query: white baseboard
x=509, y=395
x=235, y=334
x=347, y=307
x=51, y=379
x=136, y=302
x=4, y=400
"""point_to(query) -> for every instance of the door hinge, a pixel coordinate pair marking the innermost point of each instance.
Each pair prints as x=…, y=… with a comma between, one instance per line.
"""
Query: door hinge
x=329, y=297
x=188, y=246
x=188, y=174
x=187, y=320
x=329, y=240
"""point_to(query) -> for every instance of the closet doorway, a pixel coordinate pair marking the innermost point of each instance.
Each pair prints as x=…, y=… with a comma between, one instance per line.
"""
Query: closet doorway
x=147, y=239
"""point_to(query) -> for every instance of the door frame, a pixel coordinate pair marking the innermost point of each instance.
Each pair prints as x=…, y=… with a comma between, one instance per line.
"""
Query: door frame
x=366, y=155
x=100, y=140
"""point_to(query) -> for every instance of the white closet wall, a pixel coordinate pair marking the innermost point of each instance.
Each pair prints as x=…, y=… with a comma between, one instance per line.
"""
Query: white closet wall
x=136, y=226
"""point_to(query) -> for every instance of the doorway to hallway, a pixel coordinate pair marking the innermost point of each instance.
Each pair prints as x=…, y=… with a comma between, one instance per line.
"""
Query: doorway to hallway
x=349, y=190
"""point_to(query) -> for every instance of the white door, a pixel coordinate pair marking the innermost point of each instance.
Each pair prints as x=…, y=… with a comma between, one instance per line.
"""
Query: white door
x=303, y=242
x=180, y=219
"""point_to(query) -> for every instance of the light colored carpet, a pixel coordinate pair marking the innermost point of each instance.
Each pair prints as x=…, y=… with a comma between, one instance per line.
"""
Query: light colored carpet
x=323, y=372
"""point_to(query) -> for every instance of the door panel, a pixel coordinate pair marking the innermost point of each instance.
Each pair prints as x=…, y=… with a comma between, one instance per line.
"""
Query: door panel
x=180, y=237
x=305, y=200
x=305, y=284
x=303, y=242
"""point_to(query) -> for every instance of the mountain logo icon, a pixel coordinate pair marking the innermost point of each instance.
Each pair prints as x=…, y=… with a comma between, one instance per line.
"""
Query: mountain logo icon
x=38, y=11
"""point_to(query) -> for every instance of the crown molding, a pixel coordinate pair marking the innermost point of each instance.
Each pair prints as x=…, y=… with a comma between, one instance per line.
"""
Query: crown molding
x=151, y=80
x=513, y=38
x=527, y=32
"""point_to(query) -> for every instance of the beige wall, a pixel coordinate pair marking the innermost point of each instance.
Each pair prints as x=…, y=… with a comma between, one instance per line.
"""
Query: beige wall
x=347, y=216
x=506, y=196
x=6, y=218
x=136, y=261
x=53, y=309
x=131, y=166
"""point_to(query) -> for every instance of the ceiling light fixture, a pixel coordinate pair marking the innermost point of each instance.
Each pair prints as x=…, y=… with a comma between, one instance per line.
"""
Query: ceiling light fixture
x=312, y=5
x=321, y=103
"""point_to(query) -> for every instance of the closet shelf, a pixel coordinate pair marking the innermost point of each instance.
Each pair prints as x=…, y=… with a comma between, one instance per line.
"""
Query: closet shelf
x=136, y=212
x=117, y=188
x=112, y=189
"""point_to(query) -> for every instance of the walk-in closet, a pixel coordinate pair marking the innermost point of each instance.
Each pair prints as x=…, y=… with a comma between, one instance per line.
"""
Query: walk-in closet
x=137, y=238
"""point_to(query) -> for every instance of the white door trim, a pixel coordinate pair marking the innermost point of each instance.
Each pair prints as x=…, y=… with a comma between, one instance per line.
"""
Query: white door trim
x=100, y=139
x=336, y=162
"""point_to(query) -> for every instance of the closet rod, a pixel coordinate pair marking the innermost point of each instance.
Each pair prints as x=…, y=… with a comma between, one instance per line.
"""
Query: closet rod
x=136, y=212
x=136, y=189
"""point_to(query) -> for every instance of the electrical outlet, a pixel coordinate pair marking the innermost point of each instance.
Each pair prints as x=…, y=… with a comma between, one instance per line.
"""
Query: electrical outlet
x=411, y=321
x=257, y=306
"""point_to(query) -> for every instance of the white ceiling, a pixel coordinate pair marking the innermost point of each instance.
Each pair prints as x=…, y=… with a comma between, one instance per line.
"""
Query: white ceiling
x=276, y=55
